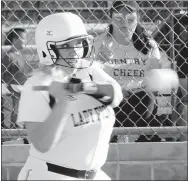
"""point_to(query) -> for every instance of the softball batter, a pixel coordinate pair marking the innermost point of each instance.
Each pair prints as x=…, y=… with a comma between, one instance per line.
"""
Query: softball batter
x=69, y=126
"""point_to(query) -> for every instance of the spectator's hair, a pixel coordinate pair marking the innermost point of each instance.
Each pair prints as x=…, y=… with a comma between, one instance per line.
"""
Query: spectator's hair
x=14, y=33
x=140, y=37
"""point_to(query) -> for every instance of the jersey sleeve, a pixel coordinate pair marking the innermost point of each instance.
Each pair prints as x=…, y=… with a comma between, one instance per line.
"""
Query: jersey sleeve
x=99, y=76
x=33, y=106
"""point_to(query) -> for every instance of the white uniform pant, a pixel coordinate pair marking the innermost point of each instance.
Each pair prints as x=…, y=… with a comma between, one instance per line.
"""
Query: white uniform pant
x=35, y=169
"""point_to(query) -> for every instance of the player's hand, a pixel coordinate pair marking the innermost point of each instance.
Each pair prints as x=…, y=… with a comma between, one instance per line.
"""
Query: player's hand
x=74, y=85
x=58, y=91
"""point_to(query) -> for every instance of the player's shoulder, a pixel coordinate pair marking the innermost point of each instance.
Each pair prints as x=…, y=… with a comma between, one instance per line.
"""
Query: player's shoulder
x=94, y=69
x=36, y=79
x=102, y=38
x=96, y=66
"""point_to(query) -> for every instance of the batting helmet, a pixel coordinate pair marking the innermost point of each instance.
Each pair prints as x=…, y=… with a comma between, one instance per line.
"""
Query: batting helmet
x=58, y=29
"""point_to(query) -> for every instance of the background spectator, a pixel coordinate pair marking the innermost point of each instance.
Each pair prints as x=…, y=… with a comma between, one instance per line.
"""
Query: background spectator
x=13, y=72
x=14, y=66
x=127, y=52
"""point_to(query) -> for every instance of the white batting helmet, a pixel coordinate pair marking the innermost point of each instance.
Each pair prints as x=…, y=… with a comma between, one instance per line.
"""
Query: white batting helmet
x=57, y=29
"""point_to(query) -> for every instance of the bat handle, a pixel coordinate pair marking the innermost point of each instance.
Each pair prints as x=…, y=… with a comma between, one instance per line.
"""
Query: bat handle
x=88, y=87
x=40, y=88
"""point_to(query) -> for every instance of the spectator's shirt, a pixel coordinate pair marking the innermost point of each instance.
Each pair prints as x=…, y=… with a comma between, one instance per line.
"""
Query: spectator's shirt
x=164, y=61
x=84, y=141
x=12, y=73
x=125, y=63
x=128, y=66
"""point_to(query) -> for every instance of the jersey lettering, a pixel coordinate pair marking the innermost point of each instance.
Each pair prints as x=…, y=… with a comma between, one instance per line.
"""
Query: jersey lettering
x=137, y=61
x=125, y=70
x=128, y=72
x=90, y=116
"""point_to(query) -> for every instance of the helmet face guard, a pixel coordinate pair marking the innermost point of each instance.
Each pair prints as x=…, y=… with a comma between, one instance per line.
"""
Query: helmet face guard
x=85, y=61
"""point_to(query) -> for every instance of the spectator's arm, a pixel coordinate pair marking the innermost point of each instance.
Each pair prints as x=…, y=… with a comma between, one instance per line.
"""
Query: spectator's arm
x=154, y=56
x=164, y=60
x=4, y=89
x=18, y=60
x=102, y=53
x=97, y=45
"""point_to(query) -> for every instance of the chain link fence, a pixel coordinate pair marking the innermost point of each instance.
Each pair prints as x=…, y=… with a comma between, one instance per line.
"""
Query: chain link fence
x=165, y=21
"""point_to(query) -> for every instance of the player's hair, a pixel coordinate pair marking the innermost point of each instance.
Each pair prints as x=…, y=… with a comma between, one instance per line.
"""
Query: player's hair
x=140, y=37
x=12, y=34
x=46, y=70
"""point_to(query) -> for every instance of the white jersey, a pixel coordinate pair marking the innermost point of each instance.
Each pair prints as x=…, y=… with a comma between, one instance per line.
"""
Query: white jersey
x=84, y=141
x=125, y=63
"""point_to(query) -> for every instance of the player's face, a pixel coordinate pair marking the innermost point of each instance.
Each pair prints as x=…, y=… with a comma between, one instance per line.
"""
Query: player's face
x=72, y=51
x=125, y=21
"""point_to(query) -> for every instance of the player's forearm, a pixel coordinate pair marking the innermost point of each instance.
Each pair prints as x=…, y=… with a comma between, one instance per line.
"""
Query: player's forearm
x=112, y=90
x=48, y=133
x=117, y=94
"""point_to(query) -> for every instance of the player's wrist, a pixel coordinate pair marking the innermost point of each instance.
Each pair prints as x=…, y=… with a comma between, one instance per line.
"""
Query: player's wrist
x=90, y=87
